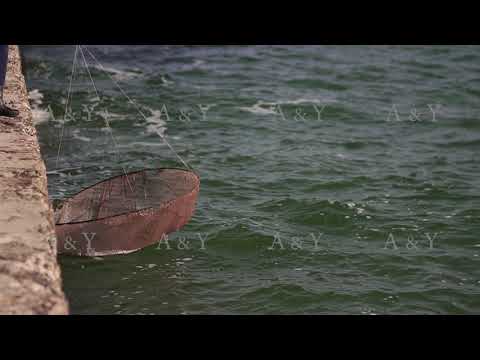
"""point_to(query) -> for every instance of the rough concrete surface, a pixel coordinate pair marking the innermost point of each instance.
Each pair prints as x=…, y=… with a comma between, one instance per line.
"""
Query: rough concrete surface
x=30, y=279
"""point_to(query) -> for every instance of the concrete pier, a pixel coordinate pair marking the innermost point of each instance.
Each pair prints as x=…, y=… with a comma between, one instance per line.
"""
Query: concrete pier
x=30, y=279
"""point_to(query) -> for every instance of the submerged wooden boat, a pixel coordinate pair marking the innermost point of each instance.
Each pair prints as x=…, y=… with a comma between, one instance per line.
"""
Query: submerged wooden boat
x=126, y=213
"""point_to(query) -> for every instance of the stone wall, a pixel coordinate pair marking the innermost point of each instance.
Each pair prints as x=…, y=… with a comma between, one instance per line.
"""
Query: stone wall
x=30, y=279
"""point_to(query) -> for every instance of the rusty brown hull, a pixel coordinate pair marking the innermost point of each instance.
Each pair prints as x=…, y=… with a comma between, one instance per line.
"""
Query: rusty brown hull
x=108, y=233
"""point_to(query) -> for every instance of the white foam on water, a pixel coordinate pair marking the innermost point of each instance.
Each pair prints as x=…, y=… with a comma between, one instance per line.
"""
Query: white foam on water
x=76, y=135
x=105, y=114
x=35, y=95
x=272, y=108
x=316, y=101
x=156, y=123
x=165, y=81
x=144, y=143
x=119, y=75
x=155, y=129
x=198, y=63
x=261, y=108
x=39, y=114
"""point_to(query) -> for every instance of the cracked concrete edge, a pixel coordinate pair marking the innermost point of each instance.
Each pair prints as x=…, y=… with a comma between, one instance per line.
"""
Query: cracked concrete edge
x=30, y=278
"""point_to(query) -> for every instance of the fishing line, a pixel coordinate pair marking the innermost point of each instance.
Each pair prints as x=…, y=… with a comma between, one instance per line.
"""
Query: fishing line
x=107, y=123
x=66, y=104
x=184, y=162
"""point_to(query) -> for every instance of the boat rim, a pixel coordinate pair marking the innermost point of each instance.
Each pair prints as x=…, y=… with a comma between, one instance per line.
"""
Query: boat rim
x=133, y=211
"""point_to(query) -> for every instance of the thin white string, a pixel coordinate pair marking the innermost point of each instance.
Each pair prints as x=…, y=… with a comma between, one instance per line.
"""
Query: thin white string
x=66, y=104
x=107, y=123
x=184, y=162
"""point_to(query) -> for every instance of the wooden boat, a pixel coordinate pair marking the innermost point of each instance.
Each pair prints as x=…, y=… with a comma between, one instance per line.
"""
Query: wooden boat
x=126, y=213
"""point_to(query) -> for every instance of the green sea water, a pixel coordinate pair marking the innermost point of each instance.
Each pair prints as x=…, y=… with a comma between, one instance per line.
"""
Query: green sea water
x=335, y=179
